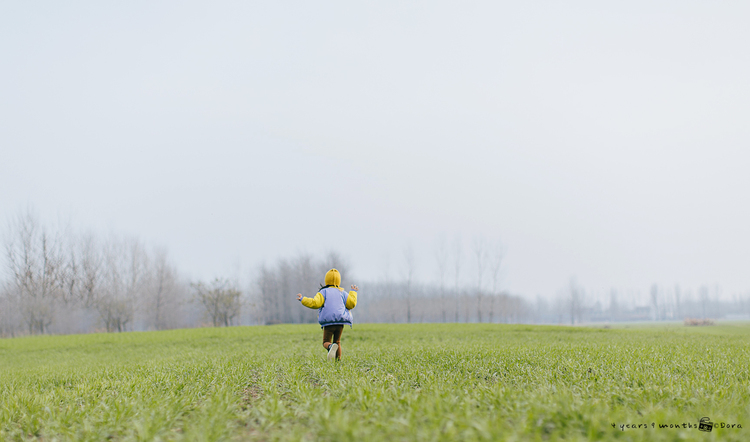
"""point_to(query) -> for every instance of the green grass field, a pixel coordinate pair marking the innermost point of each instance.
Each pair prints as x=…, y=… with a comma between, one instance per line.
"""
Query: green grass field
x=396, y=382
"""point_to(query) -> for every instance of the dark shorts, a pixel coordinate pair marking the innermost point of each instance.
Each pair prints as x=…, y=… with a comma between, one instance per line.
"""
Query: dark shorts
x=332, y=333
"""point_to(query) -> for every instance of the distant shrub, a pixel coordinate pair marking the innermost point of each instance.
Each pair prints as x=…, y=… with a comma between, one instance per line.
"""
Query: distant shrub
x=692, y=322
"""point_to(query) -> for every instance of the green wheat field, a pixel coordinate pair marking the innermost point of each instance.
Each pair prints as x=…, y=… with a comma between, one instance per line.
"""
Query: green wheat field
x=422, y=382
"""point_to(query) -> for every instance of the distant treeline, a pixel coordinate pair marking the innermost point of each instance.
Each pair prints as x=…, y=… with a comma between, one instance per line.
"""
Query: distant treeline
x=58, y=281
x=61, y=281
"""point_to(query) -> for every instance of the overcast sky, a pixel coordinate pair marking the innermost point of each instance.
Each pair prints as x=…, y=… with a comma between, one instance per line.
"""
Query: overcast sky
x=605, y=141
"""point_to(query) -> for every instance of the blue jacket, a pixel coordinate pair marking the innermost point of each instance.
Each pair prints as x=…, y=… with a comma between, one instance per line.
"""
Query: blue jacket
x=334, y=305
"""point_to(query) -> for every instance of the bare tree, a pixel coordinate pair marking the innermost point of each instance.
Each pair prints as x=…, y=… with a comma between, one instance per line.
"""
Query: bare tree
x=480, y=255
x=703, y=295
x=613, y=305
x=221, y=300
x=70, y=275
x=89, y=271
x=654, y=301
x=36, y=267
x=409, y=278
x=163, y=293
x=124, y=277
x=9, y=313
x=575, y=301
x=269, y=299
x=441, y=257
x=284, y=274
x=496, y=262
x=388, y=289
x=305, y=281
x=457, y=254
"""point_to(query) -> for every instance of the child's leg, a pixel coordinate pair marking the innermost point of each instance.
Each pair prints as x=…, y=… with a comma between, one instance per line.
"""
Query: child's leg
x=327, y=336
x=337, y=331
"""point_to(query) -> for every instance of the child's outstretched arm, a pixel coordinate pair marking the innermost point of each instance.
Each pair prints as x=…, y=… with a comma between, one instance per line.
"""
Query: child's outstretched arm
x=316, y=301
x=351, y=299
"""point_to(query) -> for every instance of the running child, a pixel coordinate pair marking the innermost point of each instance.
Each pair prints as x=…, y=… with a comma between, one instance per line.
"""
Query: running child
x=334, y=305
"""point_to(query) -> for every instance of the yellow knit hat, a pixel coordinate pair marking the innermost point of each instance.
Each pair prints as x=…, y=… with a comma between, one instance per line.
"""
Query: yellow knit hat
x=333, y=277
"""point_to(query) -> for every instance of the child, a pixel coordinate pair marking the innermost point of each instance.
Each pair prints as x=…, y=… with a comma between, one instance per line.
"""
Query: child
x=333, y=313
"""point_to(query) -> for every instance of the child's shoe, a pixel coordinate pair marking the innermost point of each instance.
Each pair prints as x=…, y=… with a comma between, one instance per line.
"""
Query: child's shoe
x=332, y=350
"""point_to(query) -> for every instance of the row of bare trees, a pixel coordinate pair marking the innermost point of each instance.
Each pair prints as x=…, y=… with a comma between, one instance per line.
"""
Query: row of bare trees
x=398, y=296
x=273, y=288
x=574, y=304
x=58, y=281
x=486, y=258
x=386, y=301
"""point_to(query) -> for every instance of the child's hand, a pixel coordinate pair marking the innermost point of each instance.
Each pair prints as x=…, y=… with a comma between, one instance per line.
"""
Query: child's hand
x=354, y=287
x=299, y=296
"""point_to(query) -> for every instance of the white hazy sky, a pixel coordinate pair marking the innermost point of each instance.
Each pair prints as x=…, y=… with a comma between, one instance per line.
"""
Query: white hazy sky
x=605, y=140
